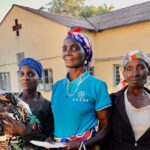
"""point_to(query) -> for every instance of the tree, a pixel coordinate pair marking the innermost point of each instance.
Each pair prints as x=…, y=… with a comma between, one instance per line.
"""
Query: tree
x=88, y=11
x=77, y=8
x=68, y=7
x=105, y=9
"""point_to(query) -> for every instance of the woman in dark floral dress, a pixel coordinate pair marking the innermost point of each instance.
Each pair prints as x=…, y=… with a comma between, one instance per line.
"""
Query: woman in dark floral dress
x=30, y=73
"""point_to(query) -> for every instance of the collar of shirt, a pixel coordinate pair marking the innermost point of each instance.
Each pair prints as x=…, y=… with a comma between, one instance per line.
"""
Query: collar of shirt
x=76, y=81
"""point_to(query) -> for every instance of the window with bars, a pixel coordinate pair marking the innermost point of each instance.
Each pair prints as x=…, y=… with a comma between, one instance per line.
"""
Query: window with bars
x=46, y=82
x=5, y=81
x=116, y=74
x=91, y=70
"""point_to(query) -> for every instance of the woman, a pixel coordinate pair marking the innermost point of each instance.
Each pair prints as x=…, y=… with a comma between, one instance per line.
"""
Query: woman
x=17, y=123
x=80, y=100
x=30, y=72
x=130, y=120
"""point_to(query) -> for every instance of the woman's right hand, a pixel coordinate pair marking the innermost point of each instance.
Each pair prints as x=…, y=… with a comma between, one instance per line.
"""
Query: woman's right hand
x=72, y=145
x=11, y=126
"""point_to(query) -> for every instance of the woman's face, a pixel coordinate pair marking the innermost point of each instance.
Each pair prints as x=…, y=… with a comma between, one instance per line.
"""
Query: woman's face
x=73, y=54
x=135, y=73
x=28, y=78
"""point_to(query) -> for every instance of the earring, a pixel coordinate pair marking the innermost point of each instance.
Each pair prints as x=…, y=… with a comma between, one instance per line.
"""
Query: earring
x=85, y=62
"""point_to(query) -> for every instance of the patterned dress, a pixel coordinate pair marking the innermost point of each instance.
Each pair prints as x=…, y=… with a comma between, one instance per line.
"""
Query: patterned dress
x=20, y=111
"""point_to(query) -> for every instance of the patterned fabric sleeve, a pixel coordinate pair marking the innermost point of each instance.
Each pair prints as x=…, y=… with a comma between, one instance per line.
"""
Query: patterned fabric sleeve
x=21, y=112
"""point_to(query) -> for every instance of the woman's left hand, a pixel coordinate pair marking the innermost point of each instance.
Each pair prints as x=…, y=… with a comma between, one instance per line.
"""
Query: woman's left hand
x=73, y=145
x=12, y=126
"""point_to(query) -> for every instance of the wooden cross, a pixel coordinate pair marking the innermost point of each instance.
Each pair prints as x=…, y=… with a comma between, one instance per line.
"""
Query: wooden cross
x=17, y=27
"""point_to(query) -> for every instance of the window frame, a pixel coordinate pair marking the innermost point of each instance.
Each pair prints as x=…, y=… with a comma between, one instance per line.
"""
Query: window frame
x=116, y=74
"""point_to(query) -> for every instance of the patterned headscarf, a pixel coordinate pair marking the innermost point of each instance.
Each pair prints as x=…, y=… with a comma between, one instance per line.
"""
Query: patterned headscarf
x=135, y=54
x=84, y=42
x=132, y=55
x=34, y=64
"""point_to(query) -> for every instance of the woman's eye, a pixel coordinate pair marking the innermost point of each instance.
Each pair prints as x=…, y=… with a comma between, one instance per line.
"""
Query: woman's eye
x=75, y=48
x=21, y=74
x=64, y=49
x=30, y=74
x=128, y=69
x=141, y=67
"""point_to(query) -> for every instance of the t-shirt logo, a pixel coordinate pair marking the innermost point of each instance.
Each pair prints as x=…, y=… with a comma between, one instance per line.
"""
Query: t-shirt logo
x=81, y=97
x=81, y=94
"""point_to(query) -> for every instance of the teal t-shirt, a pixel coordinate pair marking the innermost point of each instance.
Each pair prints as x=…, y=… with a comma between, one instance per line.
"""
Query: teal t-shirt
x=74, y=104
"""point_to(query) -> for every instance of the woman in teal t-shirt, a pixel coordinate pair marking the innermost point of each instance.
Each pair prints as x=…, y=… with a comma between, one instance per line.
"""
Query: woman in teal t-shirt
x=79, y=101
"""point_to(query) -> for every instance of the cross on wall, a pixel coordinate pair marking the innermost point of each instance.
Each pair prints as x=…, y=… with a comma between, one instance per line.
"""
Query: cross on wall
x=17, y=27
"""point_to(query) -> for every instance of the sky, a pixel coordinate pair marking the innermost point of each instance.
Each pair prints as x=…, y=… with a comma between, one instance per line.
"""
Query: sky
x=5, y=5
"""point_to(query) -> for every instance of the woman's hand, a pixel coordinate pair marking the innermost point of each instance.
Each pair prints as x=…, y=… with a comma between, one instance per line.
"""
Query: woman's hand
x=50, y=140
x=11, y=126
x=73, y=145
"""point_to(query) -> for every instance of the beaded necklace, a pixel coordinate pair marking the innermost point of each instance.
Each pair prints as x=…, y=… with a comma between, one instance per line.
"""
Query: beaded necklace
x=80, y=81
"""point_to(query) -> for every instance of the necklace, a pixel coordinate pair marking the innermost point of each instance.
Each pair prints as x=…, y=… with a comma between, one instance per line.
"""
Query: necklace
x=80, y=81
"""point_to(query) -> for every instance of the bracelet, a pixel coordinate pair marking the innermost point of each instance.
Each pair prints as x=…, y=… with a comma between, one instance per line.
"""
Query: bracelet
x=82, y=145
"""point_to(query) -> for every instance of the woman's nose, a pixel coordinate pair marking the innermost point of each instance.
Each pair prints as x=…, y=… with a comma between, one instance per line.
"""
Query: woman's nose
x=68, y=51
x=135, y=72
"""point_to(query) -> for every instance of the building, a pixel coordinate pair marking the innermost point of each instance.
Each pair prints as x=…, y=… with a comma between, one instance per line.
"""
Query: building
x=27, y=32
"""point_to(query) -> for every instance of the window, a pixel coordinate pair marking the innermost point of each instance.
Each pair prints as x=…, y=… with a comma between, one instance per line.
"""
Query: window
x=19, y=57
x=46, y=83
x=116, y=74
x=5, y=81
x=91, y=70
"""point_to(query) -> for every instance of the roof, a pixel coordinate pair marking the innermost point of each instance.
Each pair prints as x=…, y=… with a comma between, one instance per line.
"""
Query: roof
x=122, y=17
x=68, y=21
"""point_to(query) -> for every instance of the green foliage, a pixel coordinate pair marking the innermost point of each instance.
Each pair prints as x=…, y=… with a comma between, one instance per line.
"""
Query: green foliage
x=104, y=9
x=68, y=7
x=90, y=11
x=77, y=8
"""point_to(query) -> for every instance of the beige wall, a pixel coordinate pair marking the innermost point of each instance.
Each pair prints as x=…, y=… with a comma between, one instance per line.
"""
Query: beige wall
x=115, y=43
x=42, y=39
x=39, y=38
x=104, y=70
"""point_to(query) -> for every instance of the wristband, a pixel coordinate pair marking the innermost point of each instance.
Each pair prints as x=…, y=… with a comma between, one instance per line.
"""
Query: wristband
x=82, y=146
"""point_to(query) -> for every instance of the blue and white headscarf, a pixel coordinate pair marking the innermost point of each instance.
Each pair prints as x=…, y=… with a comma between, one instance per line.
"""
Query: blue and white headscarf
x=84, y=42
x=34, y=64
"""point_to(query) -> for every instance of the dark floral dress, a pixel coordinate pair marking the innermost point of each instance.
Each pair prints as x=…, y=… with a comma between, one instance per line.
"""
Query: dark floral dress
x=20, y=111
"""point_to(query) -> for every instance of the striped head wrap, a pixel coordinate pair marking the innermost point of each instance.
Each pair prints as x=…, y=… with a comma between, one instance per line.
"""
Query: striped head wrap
x=34, y=64
x=84, y=42
x=132, y=55
x=135, y=54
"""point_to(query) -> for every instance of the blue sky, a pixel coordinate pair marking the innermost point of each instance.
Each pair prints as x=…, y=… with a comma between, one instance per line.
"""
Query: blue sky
x=5, y=5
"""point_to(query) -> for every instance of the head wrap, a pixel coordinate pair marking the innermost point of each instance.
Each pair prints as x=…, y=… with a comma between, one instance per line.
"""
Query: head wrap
x=132, y=55
x=34, y=64
x=135, y=54
x=84, y=42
